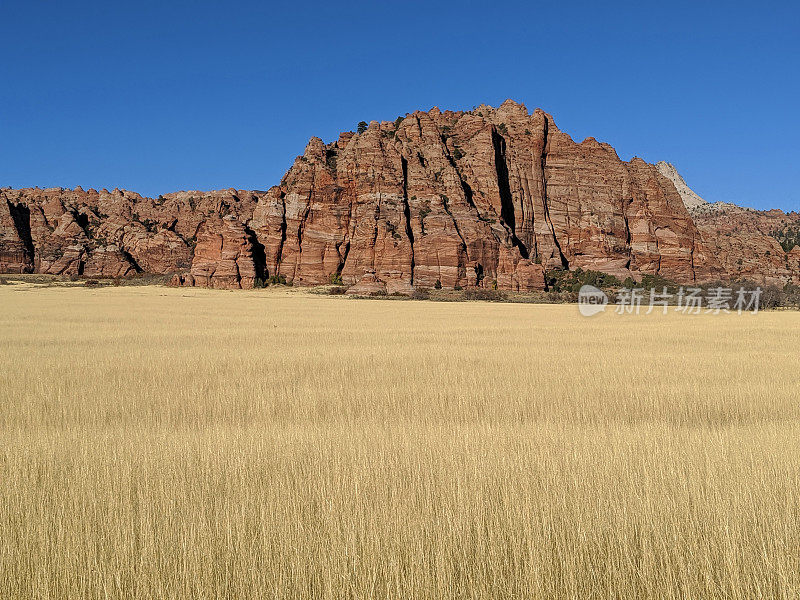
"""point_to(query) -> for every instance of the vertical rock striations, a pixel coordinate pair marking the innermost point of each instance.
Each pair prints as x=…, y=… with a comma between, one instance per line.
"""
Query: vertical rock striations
x=467, y=198
x=489, y=197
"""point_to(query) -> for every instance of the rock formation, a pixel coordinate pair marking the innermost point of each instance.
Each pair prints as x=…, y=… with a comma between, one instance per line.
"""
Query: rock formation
x=489, y=197
x=694, y=203
x=223, y=257
x=742, y=240
x=690, y=199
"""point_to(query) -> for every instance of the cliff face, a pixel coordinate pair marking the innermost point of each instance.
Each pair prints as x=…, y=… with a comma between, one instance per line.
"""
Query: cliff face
x=468, y=198
x=744, y=242
x=110, y=234
x=481, y=198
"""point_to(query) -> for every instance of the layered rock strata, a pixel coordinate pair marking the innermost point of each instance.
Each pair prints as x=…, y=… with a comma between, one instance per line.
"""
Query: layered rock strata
x=489, y=197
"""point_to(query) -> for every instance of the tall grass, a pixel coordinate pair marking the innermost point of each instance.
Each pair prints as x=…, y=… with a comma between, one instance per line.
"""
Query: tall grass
x=162, y=443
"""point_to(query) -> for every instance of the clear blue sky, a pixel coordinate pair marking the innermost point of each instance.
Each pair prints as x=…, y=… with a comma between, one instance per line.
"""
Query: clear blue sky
x=162, y=96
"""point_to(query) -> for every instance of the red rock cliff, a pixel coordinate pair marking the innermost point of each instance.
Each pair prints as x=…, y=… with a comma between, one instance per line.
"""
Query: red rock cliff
x=486, y=197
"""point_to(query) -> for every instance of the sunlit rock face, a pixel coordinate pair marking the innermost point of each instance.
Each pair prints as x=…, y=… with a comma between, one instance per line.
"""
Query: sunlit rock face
x=489, y=197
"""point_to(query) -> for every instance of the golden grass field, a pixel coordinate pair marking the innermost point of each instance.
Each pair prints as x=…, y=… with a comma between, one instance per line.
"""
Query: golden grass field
x=161, y=443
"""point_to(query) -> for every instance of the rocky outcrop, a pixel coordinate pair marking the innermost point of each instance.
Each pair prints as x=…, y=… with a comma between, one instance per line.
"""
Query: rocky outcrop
x=108, y=261
x=223, y=257
x=16, y=249
x=114, y=234
x=690, y=199
x=492, y=197
x=694, y=203
x=368, y=285
x=744, y=242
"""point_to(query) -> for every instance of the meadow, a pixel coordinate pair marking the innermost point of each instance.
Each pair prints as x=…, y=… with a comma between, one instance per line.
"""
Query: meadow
x=164, y=443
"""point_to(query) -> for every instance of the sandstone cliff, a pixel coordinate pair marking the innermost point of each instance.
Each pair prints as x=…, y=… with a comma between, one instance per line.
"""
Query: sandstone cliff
x=489, y=197
x=745, y=244
x=744, y=241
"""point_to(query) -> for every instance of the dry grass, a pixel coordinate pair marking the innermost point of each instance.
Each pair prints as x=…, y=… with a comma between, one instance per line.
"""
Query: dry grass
x=163, y=443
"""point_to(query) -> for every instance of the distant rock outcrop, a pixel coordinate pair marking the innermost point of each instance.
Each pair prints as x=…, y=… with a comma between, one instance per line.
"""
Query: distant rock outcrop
x=690, y=199
x=492, y=197
x=744, y=242
x=694, y=203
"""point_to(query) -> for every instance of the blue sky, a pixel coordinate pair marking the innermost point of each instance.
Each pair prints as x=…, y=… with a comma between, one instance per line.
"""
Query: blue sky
x=162, y=96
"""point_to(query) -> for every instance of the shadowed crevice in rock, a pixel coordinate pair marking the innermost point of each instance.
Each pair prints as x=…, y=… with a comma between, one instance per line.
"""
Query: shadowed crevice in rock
x=301, y=228
x=82, y=219
x=468, y=194
x=375, y=229
x=343, y=255
x=446, y=207
x=407, y=212
x=346, y=242
x=507, y=213
x=545, y=201
x=258, y=254
x=627, y=234
x=130, y=259
x=283, y=228
x=21, y=217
